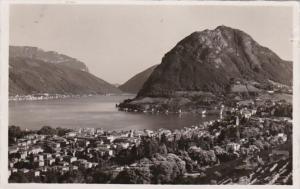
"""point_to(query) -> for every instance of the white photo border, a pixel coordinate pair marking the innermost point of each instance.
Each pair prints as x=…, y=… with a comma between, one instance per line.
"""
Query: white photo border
x=4, y=29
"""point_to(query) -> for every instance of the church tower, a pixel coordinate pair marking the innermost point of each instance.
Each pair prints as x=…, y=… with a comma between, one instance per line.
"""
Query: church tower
x=237, y=121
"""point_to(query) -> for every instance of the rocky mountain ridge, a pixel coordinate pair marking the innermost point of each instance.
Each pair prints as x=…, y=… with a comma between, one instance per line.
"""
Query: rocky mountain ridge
x=208, y=60
x=34, y=71
x=134, y=84
x=46, y=56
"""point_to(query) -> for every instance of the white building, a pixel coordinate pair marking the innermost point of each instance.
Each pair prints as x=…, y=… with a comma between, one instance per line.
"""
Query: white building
x=233, y=147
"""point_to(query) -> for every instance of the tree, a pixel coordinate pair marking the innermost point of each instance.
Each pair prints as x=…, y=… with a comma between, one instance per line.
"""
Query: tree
x=134, y=176
x=163, y=139
x=47, y=130
x=166, y=169
x=204, y=157
x=72, y=177
x=163, y=149
x=100, y=176
x=221, y=154
x=62, y=131
x=124, y=157
x=150, y=147
x=182, y=143
x=163, y=172
x=51, y=177
x=18, y=177
x=14, y=132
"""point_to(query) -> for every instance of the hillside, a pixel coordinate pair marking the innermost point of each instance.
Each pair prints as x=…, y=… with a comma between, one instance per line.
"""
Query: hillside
x=208, y=60
x=134, y=84
x=46, y=56
x=32, y=76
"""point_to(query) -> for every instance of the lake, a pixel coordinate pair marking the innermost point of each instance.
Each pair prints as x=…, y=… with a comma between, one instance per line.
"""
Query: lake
x=93, y=111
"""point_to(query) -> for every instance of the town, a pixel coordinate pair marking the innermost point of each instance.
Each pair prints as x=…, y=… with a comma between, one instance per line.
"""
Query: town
x=246, y=145
x=48, y=96
x=41, y=96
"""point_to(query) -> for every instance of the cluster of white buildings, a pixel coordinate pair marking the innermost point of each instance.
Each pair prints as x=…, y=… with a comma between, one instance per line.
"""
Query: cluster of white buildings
x=35, y=154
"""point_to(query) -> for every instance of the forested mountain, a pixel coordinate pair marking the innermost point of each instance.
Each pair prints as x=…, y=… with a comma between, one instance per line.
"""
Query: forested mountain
x=208, y=60
x=134, y=84
x=32, y=73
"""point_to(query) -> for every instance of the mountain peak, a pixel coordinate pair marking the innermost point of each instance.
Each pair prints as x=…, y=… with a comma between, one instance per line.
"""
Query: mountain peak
x=46, y=56
x=207, y=60
x=223, y=27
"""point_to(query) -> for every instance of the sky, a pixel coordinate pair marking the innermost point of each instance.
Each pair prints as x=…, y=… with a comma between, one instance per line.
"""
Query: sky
x=118, y=41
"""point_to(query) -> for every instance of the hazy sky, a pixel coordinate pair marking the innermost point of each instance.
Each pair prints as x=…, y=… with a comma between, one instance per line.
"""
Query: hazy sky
x=118, y=41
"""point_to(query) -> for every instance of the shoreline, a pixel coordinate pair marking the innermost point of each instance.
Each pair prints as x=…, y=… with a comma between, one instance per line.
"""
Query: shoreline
x=46, y=96
x=243, y=153
x=204, y=125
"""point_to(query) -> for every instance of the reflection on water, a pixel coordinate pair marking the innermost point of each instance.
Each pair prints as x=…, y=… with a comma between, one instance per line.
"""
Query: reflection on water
x=95, y=111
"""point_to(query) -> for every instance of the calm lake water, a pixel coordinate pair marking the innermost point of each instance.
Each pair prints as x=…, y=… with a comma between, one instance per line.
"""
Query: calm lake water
x=94, y=111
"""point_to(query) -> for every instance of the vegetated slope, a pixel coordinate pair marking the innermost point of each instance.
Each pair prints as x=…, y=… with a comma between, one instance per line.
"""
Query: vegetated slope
x=134, y=84
x=46, y=56
x=208, y=60
x=32, y=76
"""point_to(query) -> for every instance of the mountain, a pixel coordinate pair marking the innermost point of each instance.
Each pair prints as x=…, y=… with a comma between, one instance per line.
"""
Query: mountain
x=46, y=56
x=134, y=84
x=208, y=60
x=116, y=85
x=31, y=75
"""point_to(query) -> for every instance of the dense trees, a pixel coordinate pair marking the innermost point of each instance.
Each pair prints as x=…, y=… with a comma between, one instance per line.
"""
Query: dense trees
x=18, y=177
x=72, y=177
x=62, y=131
x=279, y=109
x=14, y=132
x=203, y=157
x=159, y=169
x=140, y=175
x=98, y=176
x=47, y=130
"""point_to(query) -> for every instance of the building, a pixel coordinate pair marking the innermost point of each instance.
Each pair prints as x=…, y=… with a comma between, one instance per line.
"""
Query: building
x=24, y=170
x=35, y=150
x=70, y=159
x=282, y=136
x=233, y=147
x=36, y=173
x=23, y=154
x=13, y=149
x=50, y=161
x=53, y=144
x=39, y=163
x=63, y=163
x=71, y=134
x=47, y=155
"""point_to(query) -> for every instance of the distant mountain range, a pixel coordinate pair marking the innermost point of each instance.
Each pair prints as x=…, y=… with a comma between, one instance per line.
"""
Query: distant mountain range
x=46, y=56
x=134, y=84
x=205, y=61
x=32, y=71
x=208, y=60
